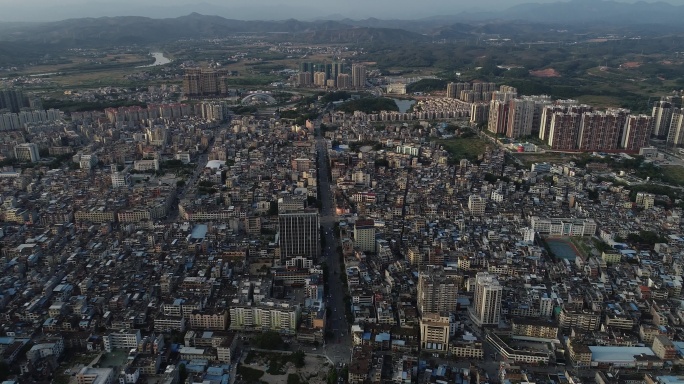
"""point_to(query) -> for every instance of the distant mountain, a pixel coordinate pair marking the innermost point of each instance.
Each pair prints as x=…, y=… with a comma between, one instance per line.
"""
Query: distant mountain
x=587, y=11
x=361, y=35
x=526, y=20
x=143, y=30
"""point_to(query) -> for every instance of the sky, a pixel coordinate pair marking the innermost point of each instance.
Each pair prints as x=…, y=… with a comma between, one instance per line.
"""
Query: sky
x=50, y=10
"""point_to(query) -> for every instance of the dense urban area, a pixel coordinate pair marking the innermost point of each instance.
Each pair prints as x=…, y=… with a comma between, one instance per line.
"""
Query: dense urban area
x=291, y=212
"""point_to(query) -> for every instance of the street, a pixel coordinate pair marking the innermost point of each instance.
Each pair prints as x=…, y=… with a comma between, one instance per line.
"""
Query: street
x=339, y=347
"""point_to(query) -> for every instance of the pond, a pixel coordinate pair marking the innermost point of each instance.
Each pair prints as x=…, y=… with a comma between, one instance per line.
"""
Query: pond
x=404, y=104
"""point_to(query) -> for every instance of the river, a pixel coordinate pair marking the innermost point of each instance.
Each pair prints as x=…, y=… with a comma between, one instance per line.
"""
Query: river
x=159, y=59
x=404, y=104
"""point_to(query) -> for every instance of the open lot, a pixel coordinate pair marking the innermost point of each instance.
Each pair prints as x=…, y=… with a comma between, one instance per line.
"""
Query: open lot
x=464, y=148
x=273, y=368
x=548, y=157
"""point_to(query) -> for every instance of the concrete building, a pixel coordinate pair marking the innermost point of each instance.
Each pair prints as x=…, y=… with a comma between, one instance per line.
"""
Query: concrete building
x=602, y=131
x=266, y=316
x=563, y=226
x=89, y=375
x=486, y=308
x=664, y=348
x=27, y=152
x=124, y=339
x=364, y=235
x=524, y=115
x=344, y=81
x=437, y=291
x=476, y=205
x=434, y=332
x=299, y=235
x=637, y=132
x=358, y=76
x=662, y=115
x=534, y=328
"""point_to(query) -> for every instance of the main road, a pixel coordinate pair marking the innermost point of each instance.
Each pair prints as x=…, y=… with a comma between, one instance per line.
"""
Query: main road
x=338, y=347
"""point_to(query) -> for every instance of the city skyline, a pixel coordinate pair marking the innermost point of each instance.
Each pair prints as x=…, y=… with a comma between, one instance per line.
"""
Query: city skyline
x=40, y=10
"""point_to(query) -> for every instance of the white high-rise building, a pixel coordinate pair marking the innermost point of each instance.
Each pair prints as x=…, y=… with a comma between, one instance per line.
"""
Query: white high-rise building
x=662, y=115
x=486, y=308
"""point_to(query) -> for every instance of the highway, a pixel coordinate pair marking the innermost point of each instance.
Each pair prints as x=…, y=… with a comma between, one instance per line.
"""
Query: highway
x=337, y=348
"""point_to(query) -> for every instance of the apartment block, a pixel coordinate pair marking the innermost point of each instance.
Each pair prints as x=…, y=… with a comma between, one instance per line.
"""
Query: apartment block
x=434, y=332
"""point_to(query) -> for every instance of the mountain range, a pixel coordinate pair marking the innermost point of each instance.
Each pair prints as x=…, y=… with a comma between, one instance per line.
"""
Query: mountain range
x=530, y=18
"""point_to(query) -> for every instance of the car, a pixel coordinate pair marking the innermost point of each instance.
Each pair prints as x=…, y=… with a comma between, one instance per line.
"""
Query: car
x=314, y=349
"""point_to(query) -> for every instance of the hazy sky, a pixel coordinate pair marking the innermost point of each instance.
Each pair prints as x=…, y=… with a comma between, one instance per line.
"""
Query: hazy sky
x=41, y=10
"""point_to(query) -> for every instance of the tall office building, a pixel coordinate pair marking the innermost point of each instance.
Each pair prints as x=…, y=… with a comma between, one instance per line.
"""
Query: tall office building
x=299, y=235
x=486, y=308
x=437, y=290
x=364, y=235
x=358, y=76
x=27, y=152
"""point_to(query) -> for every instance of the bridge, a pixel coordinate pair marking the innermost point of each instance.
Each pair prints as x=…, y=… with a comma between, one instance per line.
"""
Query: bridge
x=261, y=97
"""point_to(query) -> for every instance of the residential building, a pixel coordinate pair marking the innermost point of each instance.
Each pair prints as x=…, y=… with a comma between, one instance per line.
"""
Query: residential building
x=662, y=115
x=664, y=348
x=637, y=132
x=27, y=152
x=434, y=332
x=358, y=76
x=437, y=291
x=123, y=339
x=486, y=308
x=476, y=205
x=364, y=235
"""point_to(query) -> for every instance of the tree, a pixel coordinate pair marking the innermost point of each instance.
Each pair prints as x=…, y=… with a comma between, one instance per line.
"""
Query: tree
x=332, y=376
x=297, y=358
x=269, y=340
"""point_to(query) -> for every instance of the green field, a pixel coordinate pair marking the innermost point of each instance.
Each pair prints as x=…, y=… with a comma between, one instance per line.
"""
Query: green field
x=549, y=157
x=464, y=148
x=673, y=174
